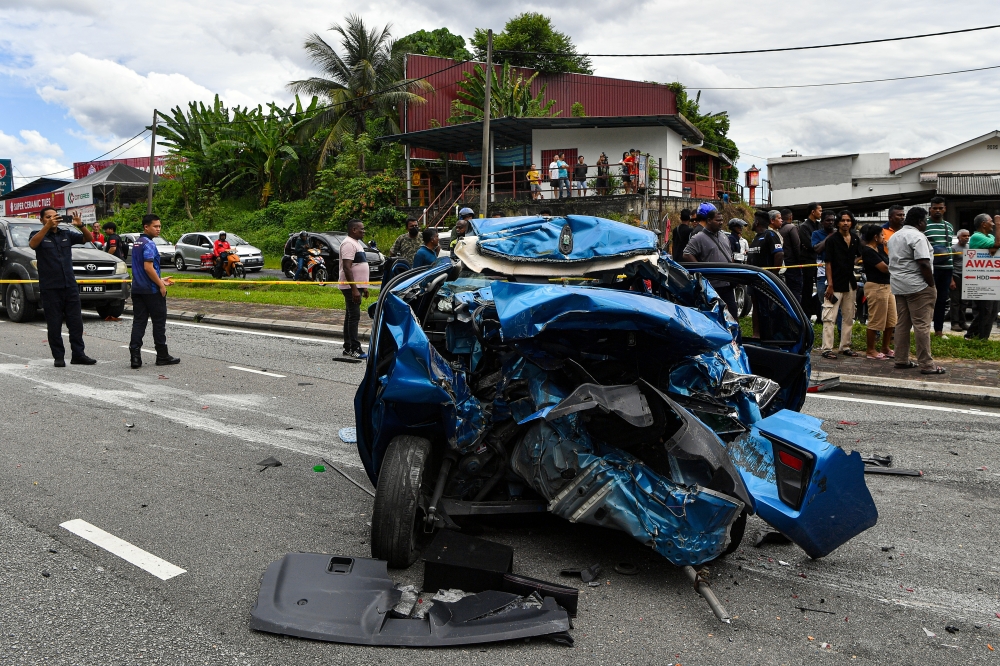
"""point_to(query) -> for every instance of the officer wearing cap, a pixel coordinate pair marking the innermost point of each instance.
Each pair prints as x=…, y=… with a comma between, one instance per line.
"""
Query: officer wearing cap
x=462, y=226
x=60, y=294
x=737, y=243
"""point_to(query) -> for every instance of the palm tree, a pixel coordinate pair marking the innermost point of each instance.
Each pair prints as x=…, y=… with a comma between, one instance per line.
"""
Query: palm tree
x=365, y=83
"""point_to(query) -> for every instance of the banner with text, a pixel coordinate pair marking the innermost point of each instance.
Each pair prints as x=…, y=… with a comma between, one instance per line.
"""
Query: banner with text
x=6, y=177
x=980, y=276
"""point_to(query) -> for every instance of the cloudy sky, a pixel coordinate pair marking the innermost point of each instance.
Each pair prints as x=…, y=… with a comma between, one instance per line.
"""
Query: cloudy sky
x=78, y=77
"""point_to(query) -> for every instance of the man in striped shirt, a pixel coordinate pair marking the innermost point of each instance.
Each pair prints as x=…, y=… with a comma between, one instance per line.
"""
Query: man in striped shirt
x=941, y=234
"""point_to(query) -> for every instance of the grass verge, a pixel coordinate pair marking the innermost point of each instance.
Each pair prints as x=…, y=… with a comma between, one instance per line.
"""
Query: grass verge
x=306, y=296
x=949, y=346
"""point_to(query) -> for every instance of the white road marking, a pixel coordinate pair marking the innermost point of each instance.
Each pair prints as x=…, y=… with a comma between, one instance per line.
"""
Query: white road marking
x=133, y=554
x=256, y=372
x=147, y=351
x=184, y=407
x=234, y=329
x=933, y=408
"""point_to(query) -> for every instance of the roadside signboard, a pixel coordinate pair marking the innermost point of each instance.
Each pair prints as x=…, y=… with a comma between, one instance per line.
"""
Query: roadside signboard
x=980, y=276
x=6, y=177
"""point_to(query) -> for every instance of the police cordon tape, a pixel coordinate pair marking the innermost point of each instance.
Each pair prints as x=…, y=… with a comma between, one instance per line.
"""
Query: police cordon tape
x=323, y=284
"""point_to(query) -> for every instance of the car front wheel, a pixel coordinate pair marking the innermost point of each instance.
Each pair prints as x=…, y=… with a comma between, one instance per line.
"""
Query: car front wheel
x=113, y=309
x=19, y=308
x=397, y=521
x=179, y=262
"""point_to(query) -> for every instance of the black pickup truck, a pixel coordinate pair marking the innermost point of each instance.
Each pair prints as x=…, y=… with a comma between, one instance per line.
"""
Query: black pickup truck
x=17, y=262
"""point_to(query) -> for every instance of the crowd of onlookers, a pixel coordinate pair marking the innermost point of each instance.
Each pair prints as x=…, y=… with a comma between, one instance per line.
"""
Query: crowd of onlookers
x=908, y=271
x=569, y=180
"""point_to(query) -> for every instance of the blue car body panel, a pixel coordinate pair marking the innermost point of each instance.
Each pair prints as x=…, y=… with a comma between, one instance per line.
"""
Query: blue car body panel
x=825, y=520
x=421, y=386
x=537, y=239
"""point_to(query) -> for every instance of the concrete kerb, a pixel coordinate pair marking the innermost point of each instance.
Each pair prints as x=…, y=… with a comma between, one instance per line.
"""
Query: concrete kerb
x=275, y=325
x=913, y=389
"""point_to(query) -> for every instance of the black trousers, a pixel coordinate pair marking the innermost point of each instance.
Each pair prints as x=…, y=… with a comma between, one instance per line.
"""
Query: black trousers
x=986, y=317
x=728, y=296
x=793, y=280
x=957, y=304
x=809, y=302
x=144, y=308
x=63, y=305
x=942, y=282
x=352, y=317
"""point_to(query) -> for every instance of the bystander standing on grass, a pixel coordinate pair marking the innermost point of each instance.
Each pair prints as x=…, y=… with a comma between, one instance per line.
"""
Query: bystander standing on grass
x=878, y=294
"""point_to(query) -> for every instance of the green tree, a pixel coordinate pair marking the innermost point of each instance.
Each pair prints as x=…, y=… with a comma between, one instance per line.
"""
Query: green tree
x=510, y=96
x=715, y=127
x=577, y=110
x=529, y=40
x=366, y=82
x=441, y=42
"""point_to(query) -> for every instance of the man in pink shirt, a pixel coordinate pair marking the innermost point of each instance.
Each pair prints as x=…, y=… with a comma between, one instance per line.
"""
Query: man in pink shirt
x=354, y=285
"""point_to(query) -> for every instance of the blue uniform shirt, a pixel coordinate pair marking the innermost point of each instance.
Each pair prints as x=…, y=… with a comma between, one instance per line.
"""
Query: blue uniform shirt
x=55, y=258
x=142, y=251
x=424, y=257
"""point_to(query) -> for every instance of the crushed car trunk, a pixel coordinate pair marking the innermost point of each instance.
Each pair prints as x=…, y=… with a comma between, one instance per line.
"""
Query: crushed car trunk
x=619, y=395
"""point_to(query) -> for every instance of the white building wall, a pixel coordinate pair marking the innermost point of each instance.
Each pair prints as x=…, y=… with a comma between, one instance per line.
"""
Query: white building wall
x=980, y=157
x=796, y=196
x=660, y=142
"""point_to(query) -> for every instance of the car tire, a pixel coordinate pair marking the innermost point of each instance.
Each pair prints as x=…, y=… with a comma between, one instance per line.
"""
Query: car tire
x=397, y=522
x=288, y=267
x=112, y=309
x=19, y=308
x=179, y=262
x=736, y=532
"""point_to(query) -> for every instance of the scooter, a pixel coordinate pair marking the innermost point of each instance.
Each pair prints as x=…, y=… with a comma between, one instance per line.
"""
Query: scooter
x=316, y=266
x=228, y=264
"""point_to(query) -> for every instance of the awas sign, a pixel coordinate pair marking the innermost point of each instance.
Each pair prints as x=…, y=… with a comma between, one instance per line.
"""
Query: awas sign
x=980, y=275
x=6, y=177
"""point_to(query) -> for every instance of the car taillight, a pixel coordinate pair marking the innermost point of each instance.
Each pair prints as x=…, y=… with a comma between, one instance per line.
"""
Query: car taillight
x=792, y=470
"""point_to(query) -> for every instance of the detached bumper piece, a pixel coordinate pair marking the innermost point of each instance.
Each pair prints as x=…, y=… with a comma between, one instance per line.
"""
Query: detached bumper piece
x=349, y=600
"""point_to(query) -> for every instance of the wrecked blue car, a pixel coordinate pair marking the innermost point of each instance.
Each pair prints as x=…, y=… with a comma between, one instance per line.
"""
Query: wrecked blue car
x=566, y=365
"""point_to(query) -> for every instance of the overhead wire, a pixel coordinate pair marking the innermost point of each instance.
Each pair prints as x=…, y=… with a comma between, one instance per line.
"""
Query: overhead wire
x=750, y=51
x=92, y=160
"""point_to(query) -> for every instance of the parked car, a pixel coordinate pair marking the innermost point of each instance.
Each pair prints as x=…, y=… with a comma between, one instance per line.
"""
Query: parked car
x=17, y=262
x=163, y=246
x=329, y=246
x=565, y=365
x=190, y=247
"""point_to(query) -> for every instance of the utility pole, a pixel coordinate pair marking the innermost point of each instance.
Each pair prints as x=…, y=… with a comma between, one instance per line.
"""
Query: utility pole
x=484, y=186
x=152, y=153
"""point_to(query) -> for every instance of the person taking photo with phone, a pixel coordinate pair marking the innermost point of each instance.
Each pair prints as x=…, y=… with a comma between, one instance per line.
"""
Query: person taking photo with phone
x=60, y=295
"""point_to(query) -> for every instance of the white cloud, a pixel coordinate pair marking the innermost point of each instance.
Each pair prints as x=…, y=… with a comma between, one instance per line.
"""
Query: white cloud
x=84, y=86
x=33, y=155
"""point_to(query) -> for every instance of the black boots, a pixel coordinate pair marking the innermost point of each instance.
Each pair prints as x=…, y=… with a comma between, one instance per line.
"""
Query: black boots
x=136, y=356
x=163, y=357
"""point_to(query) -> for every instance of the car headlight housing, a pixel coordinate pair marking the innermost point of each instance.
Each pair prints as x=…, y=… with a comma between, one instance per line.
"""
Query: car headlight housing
x=121, y=267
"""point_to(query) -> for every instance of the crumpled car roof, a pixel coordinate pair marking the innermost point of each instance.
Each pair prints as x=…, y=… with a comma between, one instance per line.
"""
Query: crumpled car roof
x=540, y=239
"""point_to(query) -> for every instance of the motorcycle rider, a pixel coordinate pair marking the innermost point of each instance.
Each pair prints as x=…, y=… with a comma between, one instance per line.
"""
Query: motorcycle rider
x=301, y=251
x=221, y=245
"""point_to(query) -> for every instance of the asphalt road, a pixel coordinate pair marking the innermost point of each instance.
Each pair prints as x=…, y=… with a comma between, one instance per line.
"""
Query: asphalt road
x=165, y=458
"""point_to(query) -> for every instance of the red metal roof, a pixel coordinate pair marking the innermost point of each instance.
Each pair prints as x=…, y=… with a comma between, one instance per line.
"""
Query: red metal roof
x=600, y=96
x=900, y=162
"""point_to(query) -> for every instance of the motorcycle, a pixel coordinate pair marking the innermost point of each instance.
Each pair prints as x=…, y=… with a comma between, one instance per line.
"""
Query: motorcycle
x=228, y=264
x=316, y=266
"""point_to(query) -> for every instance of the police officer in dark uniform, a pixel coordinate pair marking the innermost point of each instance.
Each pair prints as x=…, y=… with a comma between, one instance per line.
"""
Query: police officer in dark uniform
x=60, y=294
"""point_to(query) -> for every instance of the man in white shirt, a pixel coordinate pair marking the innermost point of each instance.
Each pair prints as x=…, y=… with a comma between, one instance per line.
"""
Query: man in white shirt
x=554, y=175
x=354, y=285
x=911, y=280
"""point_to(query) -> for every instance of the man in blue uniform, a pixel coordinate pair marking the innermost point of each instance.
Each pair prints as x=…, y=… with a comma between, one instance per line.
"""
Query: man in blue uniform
x=149, y=295
x=60, y=294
